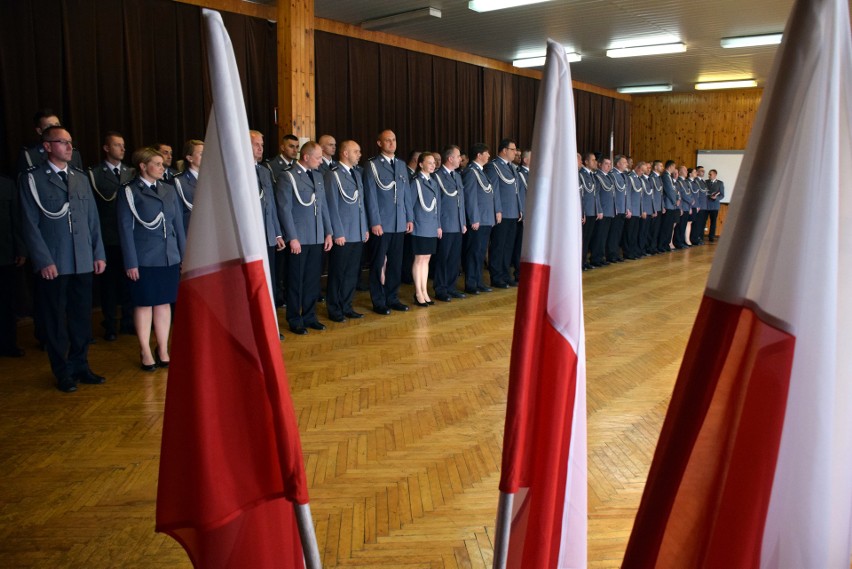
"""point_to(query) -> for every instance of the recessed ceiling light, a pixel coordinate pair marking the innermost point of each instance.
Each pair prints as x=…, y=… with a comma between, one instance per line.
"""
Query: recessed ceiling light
x=740, y=84
x=539, y=60
x=656, y=49
x=490, y=5
x=645, y=89
x=749, y=41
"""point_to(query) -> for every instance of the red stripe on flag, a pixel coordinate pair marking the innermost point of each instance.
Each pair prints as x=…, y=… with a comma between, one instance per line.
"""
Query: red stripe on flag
x=230, y=438
x=708, y=490
x=539, y=414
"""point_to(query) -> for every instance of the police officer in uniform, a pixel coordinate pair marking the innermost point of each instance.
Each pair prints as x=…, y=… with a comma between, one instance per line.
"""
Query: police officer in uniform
x=166, y=151
x=287, y=158
x=329, y=149
x=503, y=178
x=616, y=231
x=684, y=190
x=185, y=182
x=715, y=193
x=453, y=225
x=307, y=225
x=605, y=189
x=482, y=214
x=36, y=155
x=390, y=215
x=671, y=207
x=107, y=178
x=344, y=192
x=590, y=203
x=266, y=191
x=635, y=216
x=62, y=233
x=657, y=197
x=523, y=183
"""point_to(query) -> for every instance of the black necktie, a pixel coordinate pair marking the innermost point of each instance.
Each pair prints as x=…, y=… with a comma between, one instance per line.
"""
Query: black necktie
x=63, y=175
x=117, y=174
x=311, y=176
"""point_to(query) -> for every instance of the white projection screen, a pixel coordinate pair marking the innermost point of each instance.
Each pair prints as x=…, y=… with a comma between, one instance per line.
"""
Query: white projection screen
x=726, y=163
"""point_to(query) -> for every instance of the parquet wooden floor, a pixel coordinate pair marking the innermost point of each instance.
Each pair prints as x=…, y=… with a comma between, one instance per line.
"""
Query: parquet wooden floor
x=401, y=420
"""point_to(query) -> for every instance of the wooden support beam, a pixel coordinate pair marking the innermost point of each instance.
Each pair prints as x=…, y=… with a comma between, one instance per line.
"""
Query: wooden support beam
x=296, y=85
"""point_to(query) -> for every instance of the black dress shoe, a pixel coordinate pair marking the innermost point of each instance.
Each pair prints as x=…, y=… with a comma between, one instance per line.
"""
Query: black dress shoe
x=499, y=285
x=398, y=306
x=418, y=303
x=300, y=330
x=110, y=337
x=315, y=326
x=12, y=352
x=483, y=288
x=384, y=310
x=66, y=385
x=456, y=294
x=88, y=377
x=160, y=362
x=513, y=283
x=337, y=318
x=471, y=291
x=353, y=314
x=147, y=367
x=430, y=302
x=587, y=266
x=443, y=297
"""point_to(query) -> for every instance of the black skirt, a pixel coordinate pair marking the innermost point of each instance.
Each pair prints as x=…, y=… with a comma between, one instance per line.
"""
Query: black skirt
x=156, y=286
x=424, y=245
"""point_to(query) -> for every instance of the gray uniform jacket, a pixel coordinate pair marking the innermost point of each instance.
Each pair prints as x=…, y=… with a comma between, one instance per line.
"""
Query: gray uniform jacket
x=669, y=193
x=635, y=193
x=606, y=193
x=712, y=188
x=451, y=198
x=504, y=180
x=387, y=194
x=302, y=207
x=159, y=246
x=36, y=155
x=523, y=183
x=657, y=195
x=266, y=188
x=621, y=194
x=71, y=241
x=589, y=194
x=107, y=187
x=647, y=195
x=479, y=203
x=344, y=193
x=277, y=165
x=701, y=195
x=684, y=190
x=185, y=183
x=427, y=206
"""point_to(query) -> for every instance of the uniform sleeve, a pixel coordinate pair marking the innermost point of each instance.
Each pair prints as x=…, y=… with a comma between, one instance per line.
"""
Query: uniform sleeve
x=39, y=252
x=331, y=205
x=180, y=231
x=125, y=229
x=328, y=228
x=471, y=200
x=370, y=199
x=409, y=196
x=94, y=221
x=284, y=195
x=494, y=180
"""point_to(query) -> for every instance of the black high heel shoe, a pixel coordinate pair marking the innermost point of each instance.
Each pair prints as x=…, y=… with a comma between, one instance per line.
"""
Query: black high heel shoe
x=147, y=367
x=418, y=303
x=160, y=362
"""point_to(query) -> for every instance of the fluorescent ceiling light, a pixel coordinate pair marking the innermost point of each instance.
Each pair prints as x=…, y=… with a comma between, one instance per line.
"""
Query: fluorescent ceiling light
x=749, y=41
x=402, y=18
x=645, y=89
x=490, y=5
x=538, y=61
x=726, y=84
x=657, y=49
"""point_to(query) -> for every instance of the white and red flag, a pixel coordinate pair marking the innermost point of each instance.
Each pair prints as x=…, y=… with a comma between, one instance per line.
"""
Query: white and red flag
x=543, y=504
x=753, y=468
x=232, y=480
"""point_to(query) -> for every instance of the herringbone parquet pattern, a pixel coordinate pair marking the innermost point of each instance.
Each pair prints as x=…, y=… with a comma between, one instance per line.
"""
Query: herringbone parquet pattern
x=401, y=420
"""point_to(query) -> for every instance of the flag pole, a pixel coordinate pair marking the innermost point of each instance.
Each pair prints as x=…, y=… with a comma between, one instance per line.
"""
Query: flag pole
x=501, y=533
x=308, y=536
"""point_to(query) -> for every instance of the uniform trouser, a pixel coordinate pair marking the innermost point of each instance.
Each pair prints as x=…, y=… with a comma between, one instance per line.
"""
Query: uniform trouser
x=475, y=245
x=447, y=262
x=387, y=246
x=65, y=307
x=680, y=229
x=653, y=232
x=600, y=233
x=667, y=228
x=8, y=323
x=115, y=291
x=713, y=215
x=500, y=251
x=516, y=252
x=304, y=272
x=280, y=288
x=644, y=231
x=631, y=236
x=699, y=220
x=588, y=229
x=344, y=263
x=613, y=240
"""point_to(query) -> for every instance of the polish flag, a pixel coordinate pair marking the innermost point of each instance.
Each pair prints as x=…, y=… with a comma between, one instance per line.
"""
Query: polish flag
x=543, y=504
x=753, y=468
x=231, y=470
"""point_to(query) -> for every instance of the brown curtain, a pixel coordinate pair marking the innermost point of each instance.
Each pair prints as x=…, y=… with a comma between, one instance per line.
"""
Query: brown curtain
x=135, y=66
x=621, y=127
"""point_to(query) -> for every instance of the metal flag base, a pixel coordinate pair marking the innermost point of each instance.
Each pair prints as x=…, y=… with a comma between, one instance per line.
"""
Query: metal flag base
x=501, y=532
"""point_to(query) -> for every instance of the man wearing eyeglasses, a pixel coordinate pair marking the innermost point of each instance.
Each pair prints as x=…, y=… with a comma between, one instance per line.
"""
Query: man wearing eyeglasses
x=503, y=177
x=62, y=233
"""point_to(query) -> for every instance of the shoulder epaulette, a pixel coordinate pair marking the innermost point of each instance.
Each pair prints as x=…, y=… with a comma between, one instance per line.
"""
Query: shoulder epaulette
x=33, y=168
x=287, y=167
x=77, y=168
x=334, y=166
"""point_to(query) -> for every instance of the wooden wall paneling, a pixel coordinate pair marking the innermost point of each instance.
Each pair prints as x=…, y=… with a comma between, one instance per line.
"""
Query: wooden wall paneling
x=296, y=81
x=675, y=126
